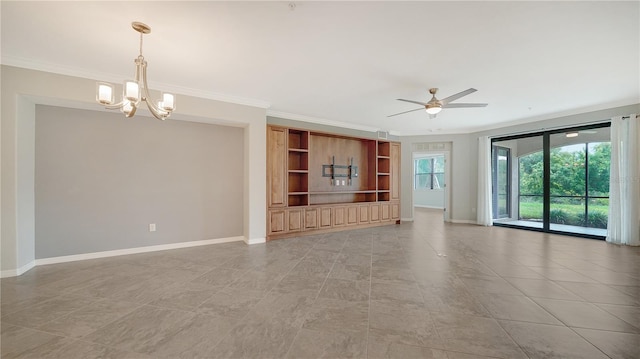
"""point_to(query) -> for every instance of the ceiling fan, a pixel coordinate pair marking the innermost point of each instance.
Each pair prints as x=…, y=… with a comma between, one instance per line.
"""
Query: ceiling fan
x=434, y=106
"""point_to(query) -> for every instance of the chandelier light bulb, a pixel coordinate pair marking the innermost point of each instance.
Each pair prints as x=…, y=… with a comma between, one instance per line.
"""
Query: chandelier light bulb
x=132, y=91
x=104, y=93
x=168, y=102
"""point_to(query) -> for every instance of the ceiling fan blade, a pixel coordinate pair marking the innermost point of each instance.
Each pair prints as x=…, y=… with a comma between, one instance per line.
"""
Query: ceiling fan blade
x=463, y=105
x=416, y=102
x=446, y=100
x=422, y=108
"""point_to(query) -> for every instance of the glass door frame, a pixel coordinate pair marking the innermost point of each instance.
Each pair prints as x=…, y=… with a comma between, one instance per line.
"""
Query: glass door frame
x=494, y=181
x=546, y=202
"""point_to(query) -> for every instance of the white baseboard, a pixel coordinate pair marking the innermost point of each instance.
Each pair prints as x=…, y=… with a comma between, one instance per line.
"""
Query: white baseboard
x=409, y=219
x=255, y=240
x=121, y=252
x=16, y=272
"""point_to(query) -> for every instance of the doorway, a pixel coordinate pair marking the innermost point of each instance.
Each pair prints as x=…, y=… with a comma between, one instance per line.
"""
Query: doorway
x=431, y=181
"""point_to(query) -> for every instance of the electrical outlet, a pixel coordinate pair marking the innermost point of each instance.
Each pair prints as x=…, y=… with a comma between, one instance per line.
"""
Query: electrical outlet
x=152, y=227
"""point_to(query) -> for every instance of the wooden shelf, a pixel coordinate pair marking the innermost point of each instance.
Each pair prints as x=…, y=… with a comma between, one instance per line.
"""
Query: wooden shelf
x=298, y=182
x=298, y=140
x=341, y=197
x=384, y=165
x=320, y=182
x=384, y=149
x=298, y=199
x=338, y=192
x=384, y=182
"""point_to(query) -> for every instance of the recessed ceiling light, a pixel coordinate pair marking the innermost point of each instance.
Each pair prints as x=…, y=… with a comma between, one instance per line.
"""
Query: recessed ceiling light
x=572, y=134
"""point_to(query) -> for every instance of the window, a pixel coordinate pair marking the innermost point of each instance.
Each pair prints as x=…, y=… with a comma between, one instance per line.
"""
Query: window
x=429, y=172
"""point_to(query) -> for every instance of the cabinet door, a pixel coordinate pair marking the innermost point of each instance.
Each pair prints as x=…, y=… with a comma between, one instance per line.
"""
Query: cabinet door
x=277, y=221
x=374, y=215
x=295, y=220
x=363, y=214
x=325, y=217
x=395, y=210
x=311, y=218
x=394, y=171
x=352, y=215
x=385, y=213
x=276, y=166
x=339, y=216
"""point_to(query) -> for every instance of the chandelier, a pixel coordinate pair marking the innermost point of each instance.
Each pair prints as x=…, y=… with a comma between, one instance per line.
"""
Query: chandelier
x=137, y=90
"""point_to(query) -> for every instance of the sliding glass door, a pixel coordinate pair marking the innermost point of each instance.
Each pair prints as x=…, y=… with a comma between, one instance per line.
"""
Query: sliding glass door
x=501, y=175
x=559, y=180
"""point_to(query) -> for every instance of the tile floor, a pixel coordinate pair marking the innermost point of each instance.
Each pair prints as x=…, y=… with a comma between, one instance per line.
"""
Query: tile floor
x=418, y=290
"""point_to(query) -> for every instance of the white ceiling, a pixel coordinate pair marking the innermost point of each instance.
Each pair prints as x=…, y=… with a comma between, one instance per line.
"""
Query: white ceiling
x=346, y=63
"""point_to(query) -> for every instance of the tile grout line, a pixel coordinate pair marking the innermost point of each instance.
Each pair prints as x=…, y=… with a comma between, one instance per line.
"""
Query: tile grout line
x=366, y=348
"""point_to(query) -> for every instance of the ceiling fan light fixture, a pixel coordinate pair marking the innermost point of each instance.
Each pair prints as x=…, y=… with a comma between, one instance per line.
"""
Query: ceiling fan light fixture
x=433, y=109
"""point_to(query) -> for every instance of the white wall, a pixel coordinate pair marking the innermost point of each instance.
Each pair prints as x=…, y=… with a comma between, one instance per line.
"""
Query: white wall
x=428, y=198
x=22, y=89
x=464, y=158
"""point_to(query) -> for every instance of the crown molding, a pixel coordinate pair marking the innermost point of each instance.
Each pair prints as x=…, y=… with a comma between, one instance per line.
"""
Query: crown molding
x=109, y=77
x=321, y=121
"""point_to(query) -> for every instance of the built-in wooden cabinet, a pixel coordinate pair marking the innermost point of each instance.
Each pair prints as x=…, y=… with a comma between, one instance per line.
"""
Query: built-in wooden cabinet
x=295, y=218
x=375, y=213
x=276, y=167
x=311, y=218
x=298, y=167
x=394, y=172
x=276, y=221
x=322, y=182
x=324, y=217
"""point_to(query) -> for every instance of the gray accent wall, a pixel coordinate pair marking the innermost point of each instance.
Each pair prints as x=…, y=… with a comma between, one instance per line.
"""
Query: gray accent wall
x=101, y=179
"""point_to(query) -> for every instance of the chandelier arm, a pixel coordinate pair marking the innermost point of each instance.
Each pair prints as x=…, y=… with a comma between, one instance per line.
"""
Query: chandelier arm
x=132, y=112
x=115, y=106
x=155, y=111
x=157, y=114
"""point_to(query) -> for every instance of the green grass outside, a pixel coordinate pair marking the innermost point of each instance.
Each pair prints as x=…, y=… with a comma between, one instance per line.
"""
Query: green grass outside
x=532, y=210
x=566, y=213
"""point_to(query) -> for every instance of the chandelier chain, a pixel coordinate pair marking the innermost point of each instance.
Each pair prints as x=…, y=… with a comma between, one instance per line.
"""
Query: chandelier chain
x=141, y=44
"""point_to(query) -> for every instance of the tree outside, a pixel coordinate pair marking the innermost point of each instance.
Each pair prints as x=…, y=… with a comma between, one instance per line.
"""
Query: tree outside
x=568, y=185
